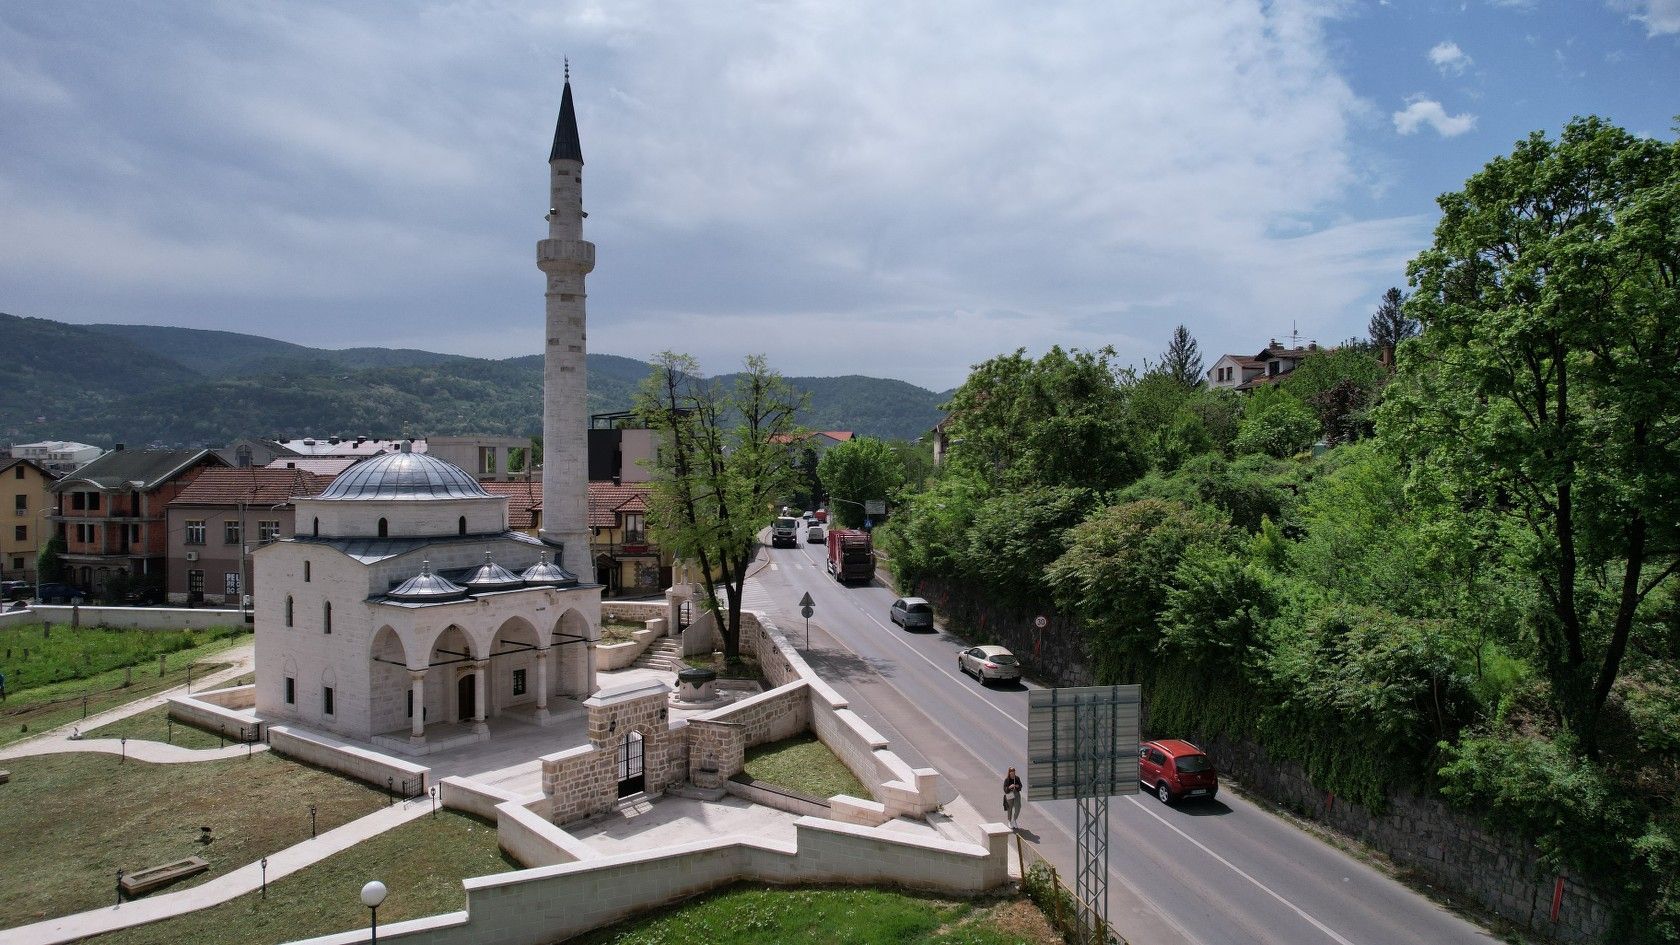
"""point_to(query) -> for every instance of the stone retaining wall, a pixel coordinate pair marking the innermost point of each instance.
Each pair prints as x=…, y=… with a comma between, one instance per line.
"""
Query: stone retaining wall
x=610, y=656
x=218, y=710
x=357, y=762
x=778, y=798
x=133, y=618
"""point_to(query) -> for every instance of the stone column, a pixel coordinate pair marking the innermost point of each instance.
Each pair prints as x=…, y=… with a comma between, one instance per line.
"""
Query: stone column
x=417, y=689
x=542, y=683
x=480, y=697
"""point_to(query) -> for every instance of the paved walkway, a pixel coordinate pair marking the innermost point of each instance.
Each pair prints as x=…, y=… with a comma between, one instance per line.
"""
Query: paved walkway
x=236, y=883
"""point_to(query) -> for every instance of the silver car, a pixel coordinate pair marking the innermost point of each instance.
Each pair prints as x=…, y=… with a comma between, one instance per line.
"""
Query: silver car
x=912, y=613
x=989, y=664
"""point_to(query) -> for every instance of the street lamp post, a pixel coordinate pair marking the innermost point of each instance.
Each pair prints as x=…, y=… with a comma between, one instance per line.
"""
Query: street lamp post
x=372, y=895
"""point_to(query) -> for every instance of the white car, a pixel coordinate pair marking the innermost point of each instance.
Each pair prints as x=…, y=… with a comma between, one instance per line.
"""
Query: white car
x=989, y=664
x=814, y=534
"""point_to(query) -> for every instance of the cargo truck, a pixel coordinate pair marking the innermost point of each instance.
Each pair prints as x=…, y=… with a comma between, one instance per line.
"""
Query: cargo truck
x=851, y=555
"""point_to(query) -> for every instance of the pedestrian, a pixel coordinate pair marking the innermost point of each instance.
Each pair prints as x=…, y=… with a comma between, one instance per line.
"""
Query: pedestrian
x=1012, y=797
x=2, y=687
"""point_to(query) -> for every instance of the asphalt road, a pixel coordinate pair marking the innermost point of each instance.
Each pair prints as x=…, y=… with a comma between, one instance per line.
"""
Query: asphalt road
x=1213, y=873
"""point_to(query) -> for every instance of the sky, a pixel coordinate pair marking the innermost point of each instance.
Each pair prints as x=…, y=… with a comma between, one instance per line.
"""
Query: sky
x=862, y=187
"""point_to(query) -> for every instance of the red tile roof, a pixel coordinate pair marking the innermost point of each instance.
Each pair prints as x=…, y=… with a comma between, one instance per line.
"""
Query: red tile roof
x=524, y=498
x=259, y=486
x=607, y=500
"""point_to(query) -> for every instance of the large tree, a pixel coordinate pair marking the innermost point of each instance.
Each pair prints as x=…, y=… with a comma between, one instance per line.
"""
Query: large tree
x=1545, y=388
x=856, y=471
x=1182, y=361
x=1391, y=325
x=724, y=466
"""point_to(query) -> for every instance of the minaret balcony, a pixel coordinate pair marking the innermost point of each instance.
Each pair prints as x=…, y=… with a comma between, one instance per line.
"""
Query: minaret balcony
x=570, y=255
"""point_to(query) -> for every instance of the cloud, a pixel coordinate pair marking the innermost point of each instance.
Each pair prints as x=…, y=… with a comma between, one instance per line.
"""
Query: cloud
x=1448, y=58
x=1661, y=17
x=1422, y=111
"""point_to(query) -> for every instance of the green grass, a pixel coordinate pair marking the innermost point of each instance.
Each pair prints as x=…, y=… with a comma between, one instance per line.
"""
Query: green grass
x=618, y=631
x=746, y=668
x=153, y=725
x=805, y=764
x=37, y=655
x=86, y=815
x=34, y=710
x=422, y=863
x=748, y=915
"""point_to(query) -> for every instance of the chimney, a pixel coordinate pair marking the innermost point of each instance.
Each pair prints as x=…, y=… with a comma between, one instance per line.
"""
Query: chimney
x=119, y=448
x=1312, y=346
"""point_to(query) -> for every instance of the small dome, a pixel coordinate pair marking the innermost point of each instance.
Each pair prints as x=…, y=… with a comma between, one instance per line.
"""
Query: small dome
x=546, y=572
x=491, y=576
x=426, y=588
x=404, y=475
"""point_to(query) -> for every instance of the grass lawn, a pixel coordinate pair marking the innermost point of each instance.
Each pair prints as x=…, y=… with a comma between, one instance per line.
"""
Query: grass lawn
x=35, y=709
x=422, y=863
x=153, y=725
x=746, y=915
x=86, y=815
x=618, y=631
x=747, y=668
x=804, y=763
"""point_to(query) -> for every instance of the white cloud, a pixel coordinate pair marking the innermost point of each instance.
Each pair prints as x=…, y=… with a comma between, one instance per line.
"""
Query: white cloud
x=1448, y=58
x=1661, y=17
x=1423, y=111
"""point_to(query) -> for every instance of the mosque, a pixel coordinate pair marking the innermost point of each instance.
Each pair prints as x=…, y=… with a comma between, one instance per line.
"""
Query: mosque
x=406, y=612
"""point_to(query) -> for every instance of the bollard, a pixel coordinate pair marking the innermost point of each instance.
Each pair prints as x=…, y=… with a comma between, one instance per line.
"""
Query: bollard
x=124, y=746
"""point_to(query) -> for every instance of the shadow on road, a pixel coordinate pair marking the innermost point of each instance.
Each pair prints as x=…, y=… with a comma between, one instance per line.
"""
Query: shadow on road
x=850, y=667
x=1213, y=808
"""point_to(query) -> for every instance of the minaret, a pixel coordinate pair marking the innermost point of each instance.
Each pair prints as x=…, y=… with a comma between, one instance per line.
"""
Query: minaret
x=565, y=258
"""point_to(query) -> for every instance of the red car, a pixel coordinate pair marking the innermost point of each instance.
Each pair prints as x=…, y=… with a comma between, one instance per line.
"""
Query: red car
x=1176, y=770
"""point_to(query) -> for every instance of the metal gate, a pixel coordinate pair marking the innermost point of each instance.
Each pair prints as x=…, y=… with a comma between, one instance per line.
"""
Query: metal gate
x=630, y=779
x=685, y=615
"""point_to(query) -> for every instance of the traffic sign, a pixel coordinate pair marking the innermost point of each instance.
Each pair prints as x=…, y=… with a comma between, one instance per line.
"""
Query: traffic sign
x=806, y=601
x=1041, y=621
x=807, y=607
x=875, y=507
x=1082, y=742
x=807, y=611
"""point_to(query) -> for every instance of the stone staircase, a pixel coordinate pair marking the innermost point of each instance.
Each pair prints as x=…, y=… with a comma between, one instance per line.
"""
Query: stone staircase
x=664, y=653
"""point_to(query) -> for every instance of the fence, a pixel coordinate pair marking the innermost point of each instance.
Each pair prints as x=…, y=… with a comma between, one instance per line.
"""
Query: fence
x=1044, y=886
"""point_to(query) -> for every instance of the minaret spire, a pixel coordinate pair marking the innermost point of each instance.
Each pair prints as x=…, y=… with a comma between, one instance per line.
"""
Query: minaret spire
x=566, y=146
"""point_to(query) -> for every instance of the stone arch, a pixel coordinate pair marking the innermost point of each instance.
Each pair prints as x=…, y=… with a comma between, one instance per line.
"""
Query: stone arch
x=572, y=640
x=514, y=675
x=388, y=682
x=388, y=645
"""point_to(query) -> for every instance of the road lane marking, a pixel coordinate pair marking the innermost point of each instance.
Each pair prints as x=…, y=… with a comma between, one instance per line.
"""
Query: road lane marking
x=1239, y=871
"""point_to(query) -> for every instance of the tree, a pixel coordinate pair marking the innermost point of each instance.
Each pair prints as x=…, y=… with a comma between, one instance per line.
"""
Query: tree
x=1391, y=325
x=1340, y=386
x=49, y=561
x=1545, y=387
x=856, y=471
x=725, y=465
x=1182, y=361
x=1276, y=423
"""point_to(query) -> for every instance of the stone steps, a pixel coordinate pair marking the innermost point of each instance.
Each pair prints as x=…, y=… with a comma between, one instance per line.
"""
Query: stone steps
x=662, y=654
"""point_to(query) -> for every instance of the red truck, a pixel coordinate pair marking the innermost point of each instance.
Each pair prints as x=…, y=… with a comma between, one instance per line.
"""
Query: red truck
x=851, y=555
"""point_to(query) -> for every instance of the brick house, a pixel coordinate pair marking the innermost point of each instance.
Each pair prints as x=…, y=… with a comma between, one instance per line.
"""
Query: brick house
x=626, y=559
x=26, y=503
x=110, y=514
x=219, y=519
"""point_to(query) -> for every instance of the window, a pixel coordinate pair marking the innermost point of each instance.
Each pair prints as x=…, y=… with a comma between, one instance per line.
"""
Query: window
x=21, y=501
x=518, y=682
x=315, y=529
x=326, y=616
x=85, y=533
x=327, y=700
x=195, y=531
x=288, y=610
x=306, y=572
x=17, y=563
x=268, y=531
x=134, y=534
x=230, y=584
x=21, y=532
x=20, y=473
x=461, y=525
x=93, y=501
x=195, y=582
x=78, y=501
x=230, y=532
x=291, y=691
x=384, y=528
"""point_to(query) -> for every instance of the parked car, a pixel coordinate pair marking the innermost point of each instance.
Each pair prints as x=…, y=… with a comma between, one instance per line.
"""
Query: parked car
x=16, y=590
x=912, y=613
x=989, y=664
x=809, y=516
x=54, y=593
x=785, y=531
x=814, y=534
x=1176, y=770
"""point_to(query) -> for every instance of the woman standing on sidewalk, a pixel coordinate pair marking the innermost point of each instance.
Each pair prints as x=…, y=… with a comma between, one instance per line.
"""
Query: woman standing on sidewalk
x=1012, y=797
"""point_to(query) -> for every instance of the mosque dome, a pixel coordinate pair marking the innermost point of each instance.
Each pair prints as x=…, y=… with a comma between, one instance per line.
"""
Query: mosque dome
x=491, y=576
x=427, y=588
x=404, y=475
x=546, y=572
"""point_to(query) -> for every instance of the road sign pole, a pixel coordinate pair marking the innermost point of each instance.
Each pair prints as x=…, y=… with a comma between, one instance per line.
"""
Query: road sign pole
x=807, y=607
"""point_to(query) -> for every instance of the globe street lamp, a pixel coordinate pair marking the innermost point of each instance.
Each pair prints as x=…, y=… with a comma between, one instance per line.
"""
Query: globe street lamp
x=372, y=895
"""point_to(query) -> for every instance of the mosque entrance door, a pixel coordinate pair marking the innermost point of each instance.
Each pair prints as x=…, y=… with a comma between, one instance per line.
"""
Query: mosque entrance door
x=466, y=698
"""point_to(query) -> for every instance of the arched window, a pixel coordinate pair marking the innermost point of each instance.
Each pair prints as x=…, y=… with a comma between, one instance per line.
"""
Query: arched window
x=288, y=610
x=326, y=616
x=461, y=525
x=384, y=528
x=306, y=572
x=316, y=530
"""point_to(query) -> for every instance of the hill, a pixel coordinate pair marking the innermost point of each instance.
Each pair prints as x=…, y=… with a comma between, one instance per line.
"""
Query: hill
x=145, y=385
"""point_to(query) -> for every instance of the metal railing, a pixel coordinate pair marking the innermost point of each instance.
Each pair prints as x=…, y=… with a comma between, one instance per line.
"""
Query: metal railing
x=1043, y=884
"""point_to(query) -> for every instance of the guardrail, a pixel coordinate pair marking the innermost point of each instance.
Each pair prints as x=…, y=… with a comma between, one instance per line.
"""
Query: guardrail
x=1044, y=886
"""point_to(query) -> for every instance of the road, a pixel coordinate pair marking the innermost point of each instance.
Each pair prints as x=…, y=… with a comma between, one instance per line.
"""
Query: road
x=1219, y=873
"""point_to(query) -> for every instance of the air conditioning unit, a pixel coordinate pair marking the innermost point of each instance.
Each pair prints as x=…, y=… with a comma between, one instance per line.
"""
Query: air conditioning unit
x=192, y=556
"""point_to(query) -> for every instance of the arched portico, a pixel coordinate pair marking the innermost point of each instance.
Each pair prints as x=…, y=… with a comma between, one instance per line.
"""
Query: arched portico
x=574, y=639
x=519, y=669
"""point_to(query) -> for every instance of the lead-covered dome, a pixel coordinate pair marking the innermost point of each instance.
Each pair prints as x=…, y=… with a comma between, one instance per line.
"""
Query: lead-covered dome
x=404, y=475
x=427, y=588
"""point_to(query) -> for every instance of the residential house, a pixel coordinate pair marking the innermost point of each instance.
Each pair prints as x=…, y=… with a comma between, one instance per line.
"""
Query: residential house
x=1232, y=371
x=621, y=449
x=58, y=456
x=524, y=497
x=26, y=501
x=627, y=562
x=488, y=458
x=1270, y=365
x=328, y=466
x=111, y=514
x=250, y=451
x=219, y=519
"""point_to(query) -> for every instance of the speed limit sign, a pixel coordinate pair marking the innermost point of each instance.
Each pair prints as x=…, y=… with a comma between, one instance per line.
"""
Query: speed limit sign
x=1041, y=621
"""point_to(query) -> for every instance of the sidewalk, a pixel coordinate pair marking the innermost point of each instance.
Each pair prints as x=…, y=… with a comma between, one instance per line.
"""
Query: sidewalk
x=243, y=880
